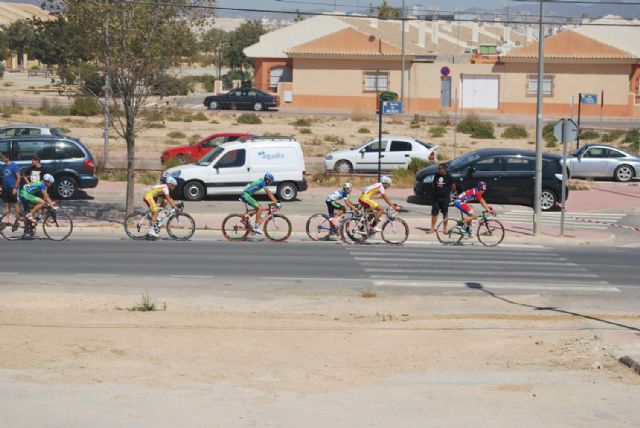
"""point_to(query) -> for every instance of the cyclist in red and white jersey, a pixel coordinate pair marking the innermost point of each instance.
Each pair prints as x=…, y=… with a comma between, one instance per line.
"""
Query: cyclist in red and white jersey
x=474, y=194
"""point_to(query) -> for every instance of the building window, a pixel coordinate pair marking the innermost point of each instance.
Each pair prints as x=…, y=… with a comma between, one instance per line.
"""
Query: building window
x=277, y=75
x=532, y=85
x=376, y=81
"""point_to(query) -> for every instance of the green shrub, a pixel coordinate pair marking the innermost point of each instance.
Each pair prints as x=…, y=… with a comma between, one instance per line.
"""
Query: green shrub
x=589, y=134
x=148, y=177
x=176, y=134
x=85, y=106
x=468, y=124
x=194, y=139
x=632, y=139
x=612, y=136
x=418, y=119
x=302, y=122
x=547, y=134
x=153, y=116
x=305, y=130
x=437, y=131
x=414, y=126
x=1, y=70
x=13, y=108
x=476, y=128
x=334, y=139
x=200, y=117
x=249, y=119
x=187, y=118
x=174, y=118
x=417, y=164
x=515, y=131
x=165, y=85
x=364, y=131
x=552, y=144
x=483, y=130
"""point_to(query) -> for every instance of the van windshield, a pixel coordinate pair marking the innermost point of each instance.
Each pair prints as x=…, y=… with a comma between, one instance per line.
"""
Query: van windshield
x=210, y=157
x=463, y=160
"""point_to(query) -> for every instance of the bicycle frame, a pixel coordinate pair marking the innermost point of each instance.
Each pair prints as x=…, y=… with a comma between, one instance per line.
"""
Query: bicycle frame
x=250, y=211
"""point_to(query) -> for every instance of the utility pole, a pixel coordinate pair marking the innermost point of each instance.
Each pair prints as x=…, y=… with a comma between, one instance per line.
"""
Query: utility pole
x=537, y=219
x=403, y=16
x=107, y=89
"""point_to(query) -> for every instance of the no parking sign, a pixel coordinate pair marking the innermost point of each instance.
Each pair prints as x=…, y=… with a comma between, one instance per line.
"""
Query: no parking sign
x=445, y=71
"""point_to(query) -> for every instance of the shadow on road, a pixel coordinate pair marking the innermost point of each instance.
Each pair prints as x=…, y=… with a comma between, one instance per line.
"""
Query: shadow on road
x=478, y=286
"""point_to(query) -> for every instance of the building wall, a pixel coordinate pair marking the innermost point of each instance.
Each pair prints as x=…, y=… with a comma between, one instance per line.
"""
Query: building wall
x=263, y=68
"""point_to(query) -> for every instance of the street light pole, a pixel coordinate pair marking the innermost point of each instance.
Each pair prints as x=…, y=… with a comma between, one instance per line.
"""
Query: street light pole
x=403, y=16
x=537, y=220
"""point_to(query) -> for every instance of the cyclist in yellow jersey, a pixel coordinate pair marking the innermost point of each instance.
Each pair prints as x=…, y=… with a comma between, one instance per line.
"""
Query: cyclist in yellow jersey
x=160, y=194
x=378, y=191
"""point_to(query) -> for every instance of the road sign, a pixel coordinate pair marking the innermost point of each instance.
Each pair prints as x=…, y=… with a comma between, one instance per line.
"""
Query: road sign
x=445, y=71
x=571, y=131
x=588, y=98
x=391, y=107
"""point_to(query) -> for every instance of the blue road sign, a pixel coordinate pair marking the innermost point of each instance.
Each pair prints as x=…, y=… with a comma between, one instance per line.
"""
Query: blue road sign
x=588, y=98
x=391, y=107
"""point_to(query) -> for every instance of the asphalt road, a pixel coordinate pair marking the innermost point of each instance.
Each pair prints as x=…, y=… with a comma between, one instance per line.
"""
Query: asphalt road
x=203, y=266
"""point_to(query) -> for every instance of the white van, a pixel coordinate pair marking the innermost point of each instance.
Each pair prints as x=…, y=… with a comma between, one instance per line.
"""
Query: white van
x=227, y=169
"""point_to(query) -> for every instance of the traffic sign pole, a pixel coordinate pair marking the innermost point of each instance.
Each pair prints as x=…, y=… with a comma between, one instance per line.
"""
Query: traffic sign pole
x=579, y=105
x=565, y=138
x=379, y=139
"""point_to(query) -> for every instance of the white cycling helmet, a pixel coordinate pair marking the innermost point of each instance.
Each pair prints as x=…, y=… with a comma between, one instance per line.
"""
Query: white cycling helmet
x=347, y=186
x=172, y=181
x=49, y=178
x=385, y=180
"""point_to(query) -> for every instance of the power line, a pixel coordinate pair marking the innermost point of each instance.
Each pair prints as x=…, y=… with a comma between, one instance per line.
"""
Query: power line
x=579, y=2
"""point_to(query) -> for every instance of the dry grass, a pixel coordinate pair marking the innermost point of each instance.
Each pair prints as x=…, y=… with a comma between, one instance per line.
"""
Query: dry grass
x=368, y=294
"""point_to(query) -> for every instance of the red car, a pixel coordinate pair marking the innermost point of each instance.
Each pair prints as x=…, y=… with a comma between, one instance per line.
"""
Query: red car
x=188, y=154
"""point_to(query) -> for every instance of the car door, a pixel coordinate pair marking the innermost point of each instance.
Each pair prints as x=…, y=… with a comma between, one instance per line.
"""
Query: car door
x=590, y=164
x=398, y=155
x=209, y=145
x=611, y=160
x=232, y=99
x=367, y=157
x=517, y=182
x=489, y=170
x=230, y=173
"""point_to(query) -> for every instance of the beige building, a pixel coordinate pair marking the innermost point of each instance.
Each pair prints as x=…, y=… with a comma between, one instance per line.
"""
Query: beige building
x=338, y=62
x=11, y=12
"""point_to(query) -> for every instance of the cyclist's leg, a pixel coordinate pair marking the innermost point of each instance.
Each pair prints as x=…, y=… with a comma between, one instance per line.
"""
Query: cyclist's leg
x=38, y=203
x=249, y=200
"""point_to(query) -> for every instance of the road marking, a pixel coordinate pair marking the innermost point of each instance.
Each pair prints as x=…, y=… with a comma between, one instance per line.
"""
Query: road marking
x=482, y=273
x=368, y=261
x=386, y=252
x=490, y=286
x=192, y=276
x=97, y=274
x=8, y=273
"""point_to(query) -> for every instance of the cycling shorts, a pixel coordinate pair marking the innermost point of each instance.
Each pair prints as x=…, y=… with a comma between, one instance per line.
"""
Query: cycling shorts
x=26, y=197
x=332, y=206
x=368, y=204
x=152, y=202
x=248, y=199
x=464, y=207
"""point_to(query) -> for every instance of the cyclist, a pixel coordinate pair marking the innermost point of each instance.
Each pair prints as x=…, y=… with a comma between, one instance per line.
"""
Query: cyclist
x=335, y=208
x=36, y=194
x=369, y=204
x=475, y=193
x=250, y=189
x=160, y=194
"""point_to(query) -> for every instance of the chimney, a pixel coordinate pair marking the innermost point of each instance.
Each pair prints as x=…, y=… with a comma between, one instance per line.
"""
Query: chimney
x=475, y=31
x=434, y=32
x=422, y=34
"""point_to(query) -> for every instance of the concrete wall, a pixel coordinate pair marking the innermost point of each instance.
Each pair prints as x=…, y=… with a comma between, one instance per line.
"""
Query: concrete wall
x=262, y=71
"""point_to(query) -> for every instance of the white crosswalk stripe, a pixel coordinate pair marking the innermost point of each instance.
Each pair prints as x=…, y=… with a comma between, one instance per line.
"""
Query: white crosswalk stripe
x=571, y=222
x=501, y=268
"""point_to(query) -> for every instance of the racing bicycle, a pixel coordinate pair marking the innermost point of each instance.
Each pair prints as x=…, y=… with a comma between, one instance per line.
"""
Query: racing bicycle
x=57, y=225
x=180, y=225
x=490, y=232
x=357, y=229
x=319, y=227
x=276, y=227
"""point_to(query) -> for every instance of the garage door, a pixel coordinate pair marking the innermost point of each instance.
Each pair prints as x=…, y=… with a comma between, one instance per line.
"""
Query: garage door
x=480, y=91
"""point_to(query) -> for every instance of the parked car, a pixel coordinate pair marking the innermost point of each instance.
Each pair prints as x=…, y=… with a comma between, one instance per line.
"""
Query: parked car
x=242, y=98
x=509, y=174
x=27, y=129
x=187, y=154
x=395, y=152
x=228, y=168
x=66, y=158
x=603, y=161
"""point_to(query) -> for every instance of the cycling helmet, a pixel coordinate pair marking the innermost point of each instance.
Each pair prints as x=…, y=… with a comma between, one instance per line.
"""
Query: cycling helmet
x=49, y=178
x=482, y=185
x=268, y=177
x=172, y=181
x=347, y=186
x=385, y=180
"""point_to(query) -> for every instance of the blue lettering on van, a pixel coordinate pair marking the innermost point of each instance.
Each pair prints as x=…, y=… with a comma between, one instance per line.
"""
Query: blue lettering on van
x=269, y=156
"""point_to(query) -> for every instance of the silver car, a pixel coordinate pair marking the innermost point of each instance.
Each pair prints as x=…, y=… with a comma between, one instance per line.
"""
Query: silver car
x=29, y=130
x=603, y=161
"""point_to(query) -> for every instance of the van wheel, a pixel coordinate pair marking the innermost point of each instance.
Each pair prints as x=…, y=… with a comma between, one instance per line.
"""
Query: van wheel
x=66, y=187
x=193, y=191
x=548, y=200
x=343, y=167
x=287, y=192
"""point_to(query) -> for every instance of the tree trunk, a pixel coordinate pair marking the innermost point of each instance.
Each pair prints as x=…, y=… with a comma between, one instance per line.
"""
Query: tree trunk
x=131, y=171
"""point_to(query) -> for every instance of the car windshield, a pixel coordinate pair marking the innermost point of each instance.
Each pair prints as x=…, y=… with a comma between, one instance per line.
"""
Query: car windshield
x=422, y=143
x=581, y=150
x=210, y=157
x=463, y=160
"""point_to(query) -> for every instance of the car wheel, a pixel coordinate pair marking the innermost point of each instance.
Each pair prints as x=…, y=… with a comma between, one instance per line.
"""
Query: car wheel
x=213, y=105
x=548, y=200
x=287, y=192
x=343, y=167
x=66, y=187
x=623, y=173
x=193, y=191
x=258, y=106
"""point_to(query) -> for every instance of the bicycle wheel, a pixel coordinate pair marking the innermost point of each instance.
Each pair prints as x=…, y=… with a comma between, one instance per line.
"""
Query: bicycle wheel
x=319, y=227
x=277, y=228
x=181, y=226
x=395, y=231
x=452, y=236
x=354, y=230
x=235, y=227
x=136, y=225
x=12, y=226
x=490, y=233
x=57, y=226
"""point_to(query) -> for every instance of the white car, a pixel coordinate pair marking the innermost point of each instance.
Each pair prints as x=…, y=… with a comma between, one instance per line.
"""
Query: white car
x=30, y=130
x=396, y=152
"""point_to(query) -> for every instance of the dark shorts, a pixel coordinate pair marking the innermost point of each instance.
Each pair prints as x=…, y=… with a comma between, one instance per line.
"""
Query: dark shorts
x=332, y=206
x=8, y=197
x=440, y=204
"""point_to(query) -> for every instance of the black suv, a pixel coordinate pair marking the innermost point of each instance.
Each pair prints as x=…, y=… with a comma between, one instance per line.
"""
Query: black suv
x=66, y=158
x=509, y=174
x=242, y=98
